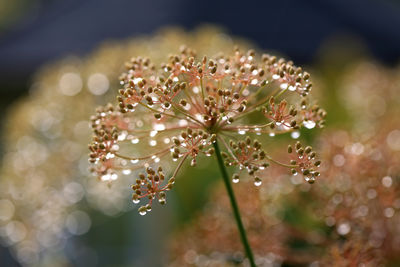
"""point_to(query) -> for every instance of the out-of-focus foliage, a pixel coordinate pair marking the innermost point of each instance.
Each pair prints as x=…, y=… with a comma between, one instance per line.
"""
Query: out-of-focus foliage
x=11, y=11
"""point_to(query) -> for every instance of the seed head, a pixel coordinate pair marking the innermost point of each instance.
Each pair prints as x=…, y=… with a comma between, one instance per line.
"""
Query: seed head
x=175, y=112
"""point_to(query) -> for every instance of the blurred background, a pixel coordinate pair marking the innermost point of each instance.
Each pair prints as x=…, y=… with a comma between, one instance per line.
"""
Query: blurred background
x=78, y=48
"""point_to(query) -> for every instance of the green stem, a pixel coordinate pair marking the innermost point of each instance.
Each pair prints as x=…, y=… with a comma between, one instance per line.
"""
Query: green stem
x=235, y=207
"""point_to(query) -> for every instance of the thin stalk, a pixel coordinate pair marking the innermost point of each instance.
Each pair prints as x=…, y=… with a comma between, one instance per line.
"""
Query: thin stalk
x=235, y=207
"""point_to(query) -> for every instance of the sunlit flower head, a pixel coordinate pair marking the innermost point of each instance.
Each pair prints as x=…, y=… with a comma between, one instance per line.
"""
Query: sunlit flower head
x=177, y=110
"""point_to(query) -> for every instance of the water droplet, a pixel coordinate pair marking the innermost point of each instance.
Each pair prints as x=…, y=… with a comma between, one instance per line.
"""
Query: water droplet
x=114, y=176
x=135, y=200
x=159, y=127
x=134, y=161
x=309, y=124
x=242, y=132
x=122, y=136
x=295, y=134
x=152, y=142
x=142, y=212
x=235, y=180
x=153, y=133
x=272, y=134
x=105, y=177
x=110, y=156
x=292, y=88
x=193, y=162
x=135, y=140
x=257, y=183
x=196, y=89
x=126, y=171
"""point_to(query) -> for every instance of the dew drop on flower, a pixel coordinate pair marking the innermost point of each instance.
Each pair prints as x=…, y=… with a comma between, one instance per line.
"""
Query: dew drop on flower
x=135, y=140
x=126, y=171
x=295, y=134
x=134, y=161
x=142, y=212
x=166, y=140
x=309, y=124
x=159, y=127
x=242, y=132
x=257, y=183
x=122, y=136
x=284, y=86
x=114, y=176
x=152, y=142
x=106, y=177
x=292, y=88
x=110, y=156
x=235, y=180
x=135, y=200
x=153, y=133
x=156, y=160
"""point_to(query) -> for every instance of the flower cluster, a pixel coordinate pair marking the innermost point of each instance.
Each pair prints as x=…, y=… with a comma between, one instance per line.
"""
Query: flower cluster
x=179, y=109
x=303, y=160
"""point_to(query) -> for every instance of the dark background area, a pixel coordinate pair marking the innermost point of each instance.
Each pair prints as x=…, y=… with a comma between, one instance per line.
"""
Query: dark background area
x=45, y=30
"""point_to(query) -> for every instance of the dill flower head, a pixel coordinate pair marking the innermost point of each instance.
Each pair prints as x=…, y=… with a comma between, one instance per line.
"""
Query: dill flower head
x=177, y=110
